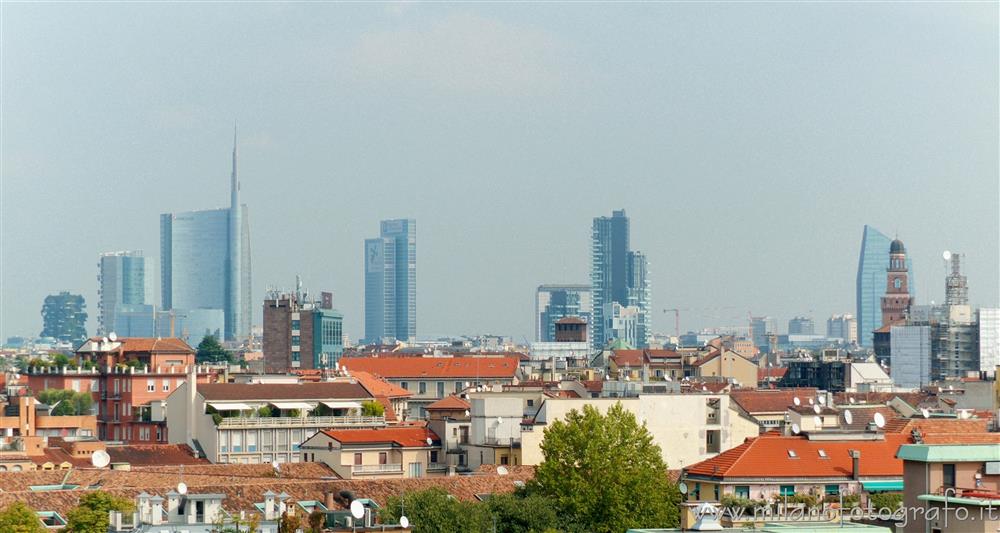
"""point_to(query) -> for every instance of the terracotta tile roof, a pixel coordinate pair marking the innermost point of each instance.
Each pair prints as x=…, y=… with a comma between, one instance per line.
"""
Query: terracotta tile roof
x=771, y=373
x=862, y=415
x=913, y=399
x=435, y=367
x=767, y=456
x=153, y=344
x=451, y=402
x=629, y=358
x=962, y=438
x=406, y=437
x=282, y=391
x=571, y=320
x=378, y=386
x=594, y=385
x=770, y=401
x=807, y=409
x=154, y=455
x=928, y=426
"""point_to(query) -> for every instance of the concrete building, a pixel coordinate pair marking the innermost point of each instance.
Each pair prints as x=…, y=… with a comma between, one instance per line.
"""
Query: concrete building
x=64, y=317
x=451, y=419
x=801, y=325
x=378, y=453
x=125, y=377
x=192, y=513
x=554, y=302
x=618, y=275
x=910, y=362
x=299, y=334
x=688, y=427
x=989, y=339
x=568, y=351
x=255, y=423
x=843, y=327
x=621, y=323
x=205, y=261
x=434, y=378
x=391, y=283
x=121, y=281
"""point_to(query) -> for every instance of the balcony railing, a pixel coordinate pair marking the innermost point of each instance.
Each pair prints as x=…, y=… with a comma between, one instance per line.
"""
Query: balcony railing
x=436, y=466
x=293, y=421
x=395, y=468
x=502, y=441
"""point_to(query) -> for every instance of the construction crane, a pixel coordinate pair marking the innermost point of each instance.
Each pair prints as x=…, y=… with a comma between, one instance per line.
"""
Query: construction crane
x=677, y=321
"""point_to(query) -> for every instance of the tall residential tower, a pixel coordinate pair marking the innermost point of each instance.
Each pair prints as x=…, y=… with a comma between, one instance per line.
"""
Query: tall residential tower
x=121, y=282
x=617, y=275
x=205, y=261
x=391, y=282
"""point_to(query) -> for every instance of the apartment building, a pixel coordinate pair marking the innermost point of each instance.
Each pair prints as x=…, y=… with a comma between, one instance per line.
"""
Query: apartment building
x=433, y=378
x=125, y=378
x=377, y=452
x=254, y=423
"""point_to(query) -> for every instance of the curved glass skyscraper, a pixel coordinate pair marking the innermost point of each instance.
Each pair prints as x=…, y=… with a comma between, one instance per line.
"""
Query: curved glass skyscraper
x=873, y=264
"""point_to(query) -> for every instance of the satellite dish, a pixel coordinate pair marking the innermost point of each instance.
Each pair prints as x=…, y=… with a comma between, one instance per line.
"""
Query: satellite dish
x=821, y=400
x=668, y=379
x=925, y=412
x=357, y=509
x=466, y=412
x=818, y=421
x=796, y=401
x=499, y=420
x=182, y=488
x=276, y=466
x=879, y=420
x=112, y=336
x=966, y=414
x=796, y=429
x=946, y=255
x=848, y=417
x=817, y=409
x=502, y=470
x=811, y=401
x=430, y=442
x=100, y=459
x=851, y=400
x=404, y=522
x=682, y=487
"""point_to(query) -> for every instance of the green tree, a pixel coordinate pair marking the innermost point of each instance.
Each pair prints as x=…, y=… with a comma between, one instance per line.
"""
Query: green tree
x=433, y=510
x=605, y=474
x=520, y=513
x=66, y=401
x=91, y=515
x=317, y=519
x=371, y=408
x=289, y=523
x=60, y=359
x=210, y=351
x=19, y=518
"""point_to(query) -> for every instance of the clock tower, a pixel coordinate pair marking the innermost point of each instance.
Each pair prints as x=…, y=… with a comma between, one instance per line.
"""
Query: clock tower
x=897, y=299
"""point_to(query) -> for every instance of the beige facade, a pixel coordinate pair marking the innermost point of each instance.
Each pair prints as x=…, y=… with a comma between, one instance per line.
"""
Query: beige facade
x=731, y=366
x=374, y=460
x=687, y=427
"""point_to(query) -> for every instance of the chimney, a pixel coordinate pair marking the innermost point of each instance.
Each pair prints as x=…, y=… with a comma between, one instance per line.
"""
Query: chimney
x=269, y=510
x=156, y=517
x=173, y=506
x=855, y=464
x=192, y=390
x=329, y=501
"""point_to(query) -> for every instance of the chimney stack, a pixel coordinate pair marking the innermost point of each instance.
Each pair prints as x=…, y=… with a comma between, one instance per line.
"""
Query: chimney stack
x=855, y=464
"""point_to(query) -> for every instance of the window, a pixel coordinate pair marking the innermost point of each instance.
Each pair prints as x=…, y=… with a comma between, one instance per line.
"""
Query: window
x=531, y=403
x=440, y=389
x=357, y=458
x=251, y=441
x=422, y=387
x=75, y=385
x=434, y=456
x=831, y=490
x=948, y=473
x=383, y=458
x=296, y=324
x=150, y=385
x=716, y=490
x=458, y=387
x=329, y=446
x=788, y=490
x=295, y=339
x=166, y=385
x=742, y=491
x=404, y=385
x=697, y=491
x=504, y=460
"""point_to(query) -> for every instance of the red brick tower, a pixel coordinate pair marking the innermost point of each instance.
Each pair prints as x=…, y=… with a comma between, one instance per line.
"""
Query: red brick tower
x=897, y=299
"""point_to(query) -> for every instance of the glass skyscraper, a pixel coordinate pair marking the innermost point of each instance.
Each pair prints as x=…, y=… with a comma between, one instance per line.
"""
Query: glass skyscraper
x=873, y=264
x=391, y=282
x=617, y=275
x=121, y=281
x=205, y=262
x=553, y=302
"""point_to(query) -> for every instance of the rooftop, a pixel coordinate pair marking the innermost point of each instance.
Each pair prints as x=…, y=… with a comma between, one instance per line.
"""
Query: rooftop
x=404, y=437
x=434, y=367
x=282, y=391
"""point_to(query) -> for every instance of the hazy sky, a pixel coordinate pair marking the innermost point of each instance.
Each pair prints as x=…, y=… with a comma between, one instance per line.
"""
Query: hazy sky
x=749, y=144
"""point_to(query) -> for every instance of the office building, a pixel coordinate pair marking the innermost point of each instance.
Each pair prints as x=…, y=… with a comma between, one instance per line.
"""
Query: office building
x=554, y=302
x=618, y=276
x=910, y=355
x=801, y=325
x=301, y=334
x=873, y=265
x=190, y=325
x=391, y=283
x=134, y=320
x=762, y=329
x=121, y=281
x=989, y=339
x=205, y=261
x=64, y=317
x=843, y=327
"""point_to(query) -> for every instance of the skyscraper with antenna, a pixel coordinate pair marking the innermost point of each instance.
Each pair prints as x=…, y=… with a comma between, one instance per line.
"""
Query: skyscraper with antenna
x=205, y=260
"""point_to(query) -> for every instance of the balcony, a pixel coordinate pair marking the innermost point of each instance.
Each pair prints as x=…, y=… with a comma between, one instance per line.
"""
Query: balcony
x=396, y=468
x=432, y=467
x=301, y=421
x=503, y=441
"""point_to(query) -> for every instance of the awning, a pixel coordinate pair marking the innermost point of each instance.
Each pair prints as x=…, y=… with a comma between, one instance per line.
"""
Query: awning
x=231, y=407
x=882, y=486
x=293, y=405
x=342, y=405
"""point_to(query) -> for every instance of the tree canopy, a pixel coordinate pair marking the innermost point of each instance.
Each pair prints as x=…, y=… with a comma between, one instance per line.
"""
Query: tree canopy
x=66, y=401
x=91, y=515
x=604, y=473
x=211, y=351
x=19, y=518
x=435, y=510
x=370, y=408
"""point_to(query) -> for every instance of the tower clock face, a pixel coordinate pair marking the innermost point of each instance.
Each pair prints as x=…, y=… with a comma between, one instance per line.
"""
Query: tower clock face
x=898, y=283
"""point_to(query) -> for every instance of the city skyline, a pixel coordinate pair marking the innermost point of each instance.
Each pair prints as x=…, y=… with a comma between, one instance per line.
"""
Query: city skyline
x=797, y=179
